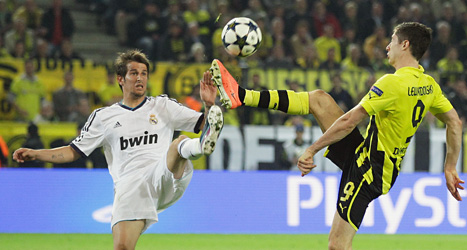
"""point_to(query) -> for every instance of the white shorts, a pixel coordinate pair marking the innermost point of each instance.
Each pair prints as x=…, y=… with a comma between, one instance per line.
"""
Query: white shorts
x=146, y=195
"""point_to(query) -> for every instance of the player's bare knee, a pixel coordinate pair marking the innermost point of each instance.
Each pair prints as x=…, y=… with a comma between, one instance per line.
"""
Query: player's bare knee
x=174, y=145
x=319, y=99
x=122, y=246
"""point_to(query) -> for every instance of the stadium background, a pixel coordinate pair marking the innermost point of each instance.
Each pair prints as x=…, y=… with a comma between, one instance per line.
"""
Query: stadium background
x=75, y=195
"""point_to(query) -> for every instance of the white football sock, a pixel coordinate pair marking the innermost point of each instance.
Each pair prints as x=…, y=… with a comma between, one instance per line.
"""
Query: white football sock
x=190, y=148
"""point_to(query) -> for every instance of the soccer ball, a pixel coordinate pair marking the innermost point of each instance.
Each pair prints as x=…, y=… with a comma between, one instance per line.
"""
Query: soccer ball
x=241, y=37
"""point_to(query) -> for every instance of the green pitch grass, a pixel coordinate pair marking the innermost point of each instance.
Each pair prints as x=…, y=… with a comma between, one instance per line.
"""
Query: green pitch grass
x=230, y=242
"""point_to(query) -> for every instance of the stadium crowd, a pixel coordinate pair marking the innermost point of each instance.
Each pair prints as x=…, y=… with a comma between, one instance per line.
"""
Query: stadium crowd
x=331, y=36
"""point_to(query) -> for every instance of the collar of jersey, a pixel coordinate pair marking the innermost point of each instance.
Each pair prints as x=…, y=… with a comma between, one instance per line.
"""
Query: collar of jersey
x=419, y=70
x=135, y=108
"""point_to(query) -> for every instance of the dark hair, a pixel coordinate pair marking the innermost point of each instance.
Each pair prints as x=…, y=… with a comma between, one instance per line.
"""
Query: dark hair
x=418, y=35
x=123, y=59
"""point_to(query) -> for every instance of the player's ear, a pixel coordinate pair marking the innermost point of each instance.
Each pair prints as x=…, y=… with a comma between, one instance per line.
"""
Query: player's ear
x=405, y=44
x=120, y=80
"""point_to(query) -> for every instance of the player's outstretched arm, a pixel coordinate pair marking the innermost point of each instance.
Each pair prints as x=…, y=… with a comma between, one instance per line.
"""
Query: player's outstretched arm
x=56, y=155
x=208, y=90
x=453, y=146
x=339, y=129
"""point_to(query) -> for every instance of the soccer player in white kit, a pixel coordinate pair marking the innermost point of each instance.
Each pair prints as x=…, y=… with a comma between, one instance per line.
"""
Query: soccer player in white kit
x=149, y=170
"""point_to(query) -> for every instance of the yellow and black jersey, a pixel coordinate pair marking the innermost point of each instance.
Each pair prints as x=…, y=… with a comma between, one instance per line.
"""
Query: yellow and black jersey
x=397, y=104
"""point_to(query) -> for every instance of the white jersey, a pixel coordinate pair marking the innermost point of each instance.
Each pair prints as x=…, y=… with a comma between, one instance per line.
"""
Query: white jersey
x=134, y=139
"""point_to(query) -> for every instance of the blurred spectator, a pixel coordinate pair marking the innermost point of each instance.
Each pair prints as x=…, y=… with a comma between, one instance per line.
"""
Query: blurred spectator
x=310, y=58
x=66, y=99
x=31, y=13
x=354, y=59
x=126, y=12
x=277, y=10
x=5, y=17
x=458, y=97
x=20, y=52
x=27, y=93
x=7, y=105
x=46, y=114
x=378, y=40
x=194, y=13
x=340, y=95
x=83, y=110
x=278, y=58
x=299, y=12
x=437, y=7
x=255, y=11
x=322, y=17
x=19, y=32
x=403, y=15
x=222, y=8
x=110, y=92
x=380, y=62
x=296, y=147
x=330, y=63
x=3, y=51
x=448, y=15
x=327, y=41
x=368, y=84
x=374, y=20
x=42, y=50
x=147, y=29
x=350, y=37
x=427, y=63
x=277, y=32
x=173, y=45
x=197, y=53
x=350, y=18
x=441, y=41
x=57, y=25
x=417, y=14
x=4, y=152
x=68, y=54
x=173, y=13
x=194, y=37
x=264, y=50
x=217, y=46
x=300, y=40
x=450, y=68
x=193, y=100
x=33, y=141
x=461, y=35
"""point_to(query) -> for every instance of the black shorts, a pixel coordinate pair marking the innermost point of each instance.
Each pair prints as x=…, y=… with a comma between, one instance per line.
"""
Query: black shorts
x=354, y=191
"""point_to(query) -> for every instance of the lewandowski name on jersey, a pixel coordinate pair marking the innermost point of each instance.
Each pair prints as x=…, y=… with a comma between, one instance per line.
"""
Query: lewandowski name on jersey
x=417, y=91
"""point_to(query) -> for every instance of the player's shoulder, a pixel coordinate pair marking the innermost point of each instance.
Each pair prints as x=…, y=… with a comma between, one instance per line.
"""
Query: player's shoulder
x=389, y=78
x=163, y=98
x=102, y=111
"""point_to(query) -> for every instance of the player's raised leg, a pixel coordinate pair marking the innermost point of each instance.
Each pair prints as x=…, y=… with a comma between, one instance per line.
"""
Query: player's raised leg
x=184, y=148
x=212, y=129
x=318, y=103
x=341, y=235
x=126, y=234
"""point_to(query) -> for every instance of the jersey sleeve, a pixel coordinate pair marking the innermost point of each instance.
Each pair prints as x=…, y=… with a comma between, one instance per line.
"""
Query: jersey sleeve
x=91, y=136
x=381, y=96
x=182, y=117
x=440, y=103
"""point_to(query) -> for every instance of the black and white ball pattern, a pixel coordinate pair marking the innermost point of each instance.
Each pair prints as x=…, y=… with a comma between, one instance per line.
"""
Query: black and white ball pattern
x=241, y=36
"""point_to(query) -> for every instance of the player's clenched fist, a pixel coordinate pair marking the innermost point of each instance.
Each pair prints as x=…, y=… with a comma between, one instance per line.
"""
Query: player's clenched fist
x=24, y=154
x=305, y=162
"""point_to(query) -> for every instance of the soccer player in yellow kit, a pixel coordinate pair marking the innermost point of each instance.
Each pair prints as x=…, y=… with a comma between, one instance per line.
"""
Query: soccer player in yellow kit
x=396, y=105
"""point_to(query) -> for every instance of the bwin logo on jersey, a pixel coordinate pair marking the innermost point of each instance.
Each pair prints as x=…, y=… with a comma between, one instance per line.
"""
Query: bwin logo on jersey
x=136, y=141
x=153, y=119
